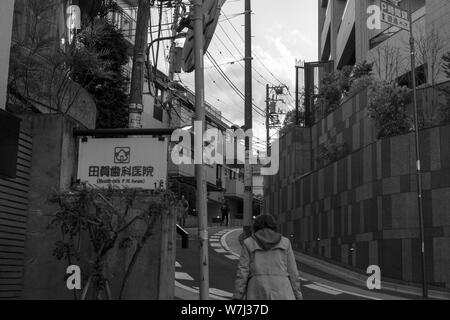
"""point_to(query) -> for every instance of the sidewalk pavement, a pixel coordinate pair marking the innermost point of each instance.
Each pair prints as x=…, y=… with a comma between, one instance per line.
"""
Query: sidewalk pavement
x=230, y=242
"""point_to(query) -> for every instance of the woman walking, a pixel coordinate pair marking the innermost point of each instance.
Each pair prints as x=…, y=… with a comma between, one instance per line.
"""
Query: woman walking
x=267, y=269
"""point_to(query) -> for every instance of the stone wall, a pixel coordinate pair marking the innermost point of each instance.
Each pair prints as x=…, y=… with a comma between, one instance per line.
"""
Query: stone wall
x=54, y=164
x=362, y=209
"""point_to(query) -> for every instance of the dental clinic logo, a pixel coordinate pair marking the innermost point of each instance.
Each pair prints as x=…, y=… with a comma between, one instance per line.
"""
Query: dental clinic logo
x=122, y=155
x=209, y=148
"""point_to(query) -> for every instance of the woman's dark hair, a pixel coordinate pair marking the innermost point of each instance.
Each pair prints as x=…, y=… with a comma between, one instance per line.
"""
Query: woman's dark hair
x=264, y=221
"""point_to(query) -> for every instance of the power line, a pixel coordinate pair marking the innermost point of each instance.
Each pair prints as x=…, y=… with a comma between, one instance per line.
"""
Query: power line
x=232, y=85
x=256, y=56
x=234, y=45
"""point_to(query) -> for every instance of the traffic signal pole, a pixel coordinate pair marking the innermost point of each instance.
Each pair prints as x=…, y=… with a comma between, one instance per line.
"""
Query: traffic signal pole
x=199, y=168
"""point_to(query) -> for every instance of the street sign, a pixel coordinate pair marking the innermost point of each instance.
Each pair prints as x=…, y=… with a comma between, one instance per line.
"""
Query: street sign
x=211, y=14
x=125, y=163
x=394, y=15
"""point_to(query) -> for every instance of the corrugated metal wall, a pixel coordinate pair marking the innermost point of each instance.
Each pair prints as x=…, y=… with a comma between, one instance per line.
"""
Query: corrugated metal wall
x=13, y=221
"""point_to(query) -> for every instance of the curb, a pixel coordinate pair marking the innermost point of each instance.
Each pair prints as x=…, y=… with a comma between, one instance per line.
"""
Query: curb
x=223, y=242
x=350, y=276
x=360, y=279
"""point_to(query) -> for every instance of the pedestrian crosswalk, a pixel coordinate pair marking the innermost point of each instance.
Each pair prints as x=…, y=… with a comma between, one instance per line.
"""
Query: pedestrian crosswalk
x=217, y=241
x=186, y=278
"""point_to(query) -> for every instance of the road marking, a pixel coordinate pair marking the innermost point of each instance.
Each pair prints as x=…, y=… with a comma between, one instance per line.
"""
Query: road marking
x=215, y=245
x=348, y=292
x=177, y=264
x=189, y=289
x=232, y=257
x=213, y=240
x=323, y=289
x=225, y=245
x=220, y=250
x=303, y=279
x=183, y=276
x=218, y=292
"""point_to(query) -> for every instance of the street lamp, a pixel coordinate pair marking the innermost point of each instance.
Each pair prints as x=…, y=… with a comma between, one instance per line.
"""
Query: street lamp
x=418, y=162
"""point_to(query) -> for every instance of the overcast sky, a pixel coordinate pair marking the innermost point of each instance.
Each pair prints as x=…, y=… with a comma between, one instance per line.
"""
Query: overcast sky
x=283, y=31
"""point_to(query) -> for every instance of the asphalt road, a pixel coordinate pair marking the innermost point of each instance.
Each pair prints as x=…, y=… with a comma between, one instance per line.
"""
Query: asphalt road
x=223, y=266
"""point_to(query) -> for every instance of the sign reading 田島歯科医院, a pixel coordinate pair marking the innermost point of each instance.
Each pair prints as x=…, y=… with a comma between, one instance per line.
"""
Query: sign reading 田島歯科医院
x=124, y=163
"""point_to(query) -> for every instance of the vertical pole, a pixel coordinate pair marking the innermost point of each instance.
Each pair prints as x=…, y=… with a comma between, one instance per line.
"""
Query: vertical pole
x=266, y=205
x=418, y=163
x=138, y=72
x=248, y=194
x=199, y=167
x=297, y=115
x=267, y=119
x=172, y=54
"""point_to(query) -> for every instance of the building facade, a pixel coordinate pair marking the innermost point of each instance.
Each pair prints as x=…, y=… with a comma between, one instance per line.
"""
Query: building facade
x=359, y=207
x=345, y=38
x=6, y=21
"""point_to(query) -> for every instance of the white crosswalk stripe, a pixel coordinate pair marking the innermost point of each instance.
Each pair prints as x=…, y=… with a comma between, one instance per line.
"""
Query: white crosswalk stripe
x=220, y=250
x=323, y=289
x=183, y=276
x=216, y=245
x=232, y=257
x=177, y=265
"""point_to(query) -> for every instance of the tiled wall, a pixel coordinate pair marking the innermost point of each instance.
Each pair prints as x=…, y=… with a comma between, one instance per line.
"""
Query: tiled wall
x=366, y=201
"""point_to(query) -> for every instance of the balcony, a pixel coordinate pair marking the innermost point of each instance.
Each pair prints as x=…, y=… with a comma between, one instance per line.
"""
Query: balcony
x=125, y=22
x=185, y=173
x=234, y=188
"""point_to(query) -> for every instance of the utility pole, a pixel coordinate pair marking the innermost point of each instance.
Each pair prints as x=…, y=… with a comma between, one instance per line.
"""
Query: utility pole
x=418, y=162
x=138, y=71
x=248, y=194
x=172, y=52
x=267, y=119
x=200, y=173
x=297, y=105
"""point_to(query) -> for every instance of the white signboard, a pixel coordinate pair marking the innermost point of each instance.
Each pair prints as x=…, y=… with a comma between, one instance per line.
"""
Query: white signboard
x=394, y=15
x=124, y=163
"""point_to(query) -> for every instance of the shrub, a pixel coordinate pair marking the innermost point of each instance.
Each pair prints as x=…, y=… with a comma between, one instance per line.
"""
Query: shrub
x=331, y=152
x=360, y=84
x=388, y=108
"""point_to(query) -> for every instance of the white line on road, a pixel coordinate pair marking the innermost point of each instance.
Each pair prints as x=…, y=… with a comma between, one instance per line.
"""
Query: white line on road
x=177, y=265
x=323, y=289
x=220, y=250
x=232, y=257
x=218, y=292
x=189, y=289
x=215, y=245
x=183, y=276
x=348, y=292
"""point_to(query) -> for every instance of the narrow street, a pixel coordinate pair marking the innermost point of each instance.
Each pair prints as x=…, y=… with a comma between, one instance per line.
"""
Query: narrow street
x=223, y=258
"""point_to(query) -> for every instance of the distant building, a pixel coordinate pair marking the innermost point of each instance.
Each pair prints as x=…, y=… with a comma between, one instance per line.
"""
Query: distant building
x=6, y=20
x=345, y=38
